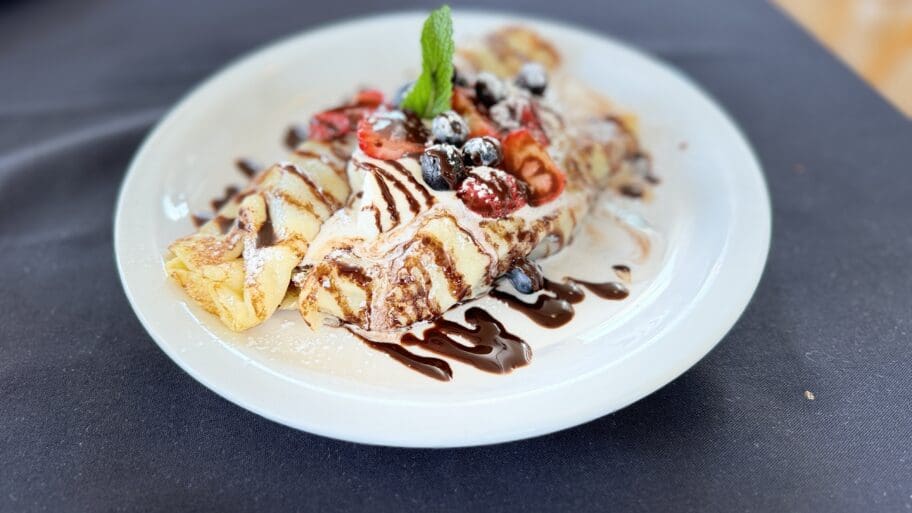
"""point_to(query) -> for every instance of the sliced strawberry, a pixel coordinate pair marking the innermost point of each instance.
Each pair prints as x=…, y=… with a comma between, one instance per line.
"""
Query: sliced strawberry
x=332, y=124
x=527, y=159
x=530, y=121
x=479, y=124
x=341, y=121
x=369, y=98
x=491, y=192
x=390, y=135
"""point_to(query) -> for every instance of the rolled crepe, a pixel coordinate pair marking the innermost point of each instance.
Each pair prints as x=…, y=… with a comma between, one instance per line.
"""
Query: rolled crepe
x=239, y=264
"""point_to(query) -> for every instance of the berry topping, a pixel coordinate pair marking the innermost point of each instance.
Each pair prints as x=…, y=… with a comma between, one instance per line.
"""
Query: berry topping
x=506, y=113
x=482, y=151
x=479, y=125
x=491, y=192
x=390, y=135
x=369, y=98
x=449, y=128
x=441, y=167
x=529, y=119
x=527, y=159
x=533, y=77
x=526, y=277
x=489, y=89
x=517, y=112
x=341, y=121
x=331, y=124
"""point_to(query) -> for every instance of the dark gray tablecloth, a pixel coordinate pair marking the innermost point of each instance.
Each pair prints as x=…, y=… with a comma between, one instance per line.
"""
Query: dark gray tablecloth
x=93, y=417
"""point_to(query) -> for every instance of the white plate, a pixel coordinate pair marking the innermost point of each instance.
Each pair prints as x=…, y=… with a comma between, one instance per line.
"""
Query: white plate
x=711, y=211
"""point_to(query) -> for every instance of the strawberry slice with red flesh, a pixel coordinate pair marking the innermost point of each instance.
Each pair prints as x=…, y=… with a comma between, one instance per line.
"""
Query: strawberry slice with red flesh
x=479, y=124
x=336, y=123
x=369, y=98
x=391, y=135
x=528, y=118
x=528, y=160
x=333, y=124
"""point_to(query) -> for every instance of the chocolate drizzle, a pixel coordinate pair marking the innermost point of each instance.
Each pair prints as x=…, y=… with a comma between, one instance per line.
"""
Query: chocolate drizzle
x=247, y=167
x=492, y=348
x=554, y=307
x=428, y=197
x=266, y=235
x=314, y=189
x=387, y=194
x=427, y=365
x=547, y=310
x=200, y=219
x=632, y=190
x=295, y=135
x=224, y=223
x=230, y=192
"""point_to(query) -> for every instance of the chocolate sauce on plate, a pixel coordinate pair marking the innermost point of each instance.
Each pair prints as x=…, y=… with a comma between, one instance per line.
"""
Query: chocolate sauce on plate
x=248, y=167
x=491, y=347
x=427, y=365
x=554, y=307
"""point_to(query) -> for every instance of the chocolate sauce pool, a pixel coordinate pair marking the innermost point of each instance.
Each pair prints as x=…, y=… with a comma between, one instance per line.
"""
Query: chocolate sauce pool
x=492, y=348
x=483, y=342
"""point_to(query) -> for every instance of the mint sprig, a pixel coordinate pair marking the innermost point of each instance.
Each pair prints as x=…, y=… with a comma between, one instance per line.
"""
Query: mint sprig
x=432, y=91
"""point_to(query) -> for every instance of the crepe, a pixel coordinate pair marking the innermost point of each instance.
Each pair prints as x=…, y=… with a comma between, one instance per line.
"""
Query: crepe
x=238, y=266
x=403, y=253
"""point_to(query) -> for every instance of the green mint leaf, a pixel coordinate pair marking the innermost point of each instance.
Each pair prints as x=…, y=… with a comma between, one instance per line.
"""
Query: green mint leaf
x=432, y=91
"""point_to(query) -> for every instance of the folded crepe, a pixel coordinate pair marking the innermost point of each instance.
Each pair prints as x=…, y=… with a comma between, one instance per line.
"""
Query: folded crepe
x=239, y=264
x=403, y=253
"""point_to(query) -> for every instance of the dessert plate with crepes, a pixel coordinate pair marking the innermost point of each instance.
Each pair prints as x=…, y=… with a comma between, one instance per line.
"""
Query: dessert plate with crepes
x=491, y=229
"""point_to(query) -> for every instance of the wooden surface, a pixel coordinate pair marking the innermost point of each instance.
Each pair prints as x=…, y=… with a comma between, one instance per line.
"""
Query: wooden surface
x=873, y=36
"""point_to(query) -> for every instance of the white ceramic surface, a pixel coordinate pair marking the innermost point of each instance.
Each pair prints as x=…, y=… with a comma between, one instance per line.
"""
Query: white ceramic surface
x=710, y=219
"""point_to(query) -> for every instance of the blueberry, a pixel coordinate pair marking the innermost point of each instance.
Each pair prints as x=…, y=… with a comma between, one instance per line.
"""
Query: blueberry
x=401, y=92
x=449, y=128
x=532, y=76
x=489, y=89
x=525, y=278
x=481, y=151
x=442, y=167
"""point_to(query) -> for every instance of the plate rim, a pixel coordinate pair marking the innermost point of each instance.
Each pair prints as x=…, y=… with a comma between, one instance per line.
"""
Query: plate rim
x=750, y=271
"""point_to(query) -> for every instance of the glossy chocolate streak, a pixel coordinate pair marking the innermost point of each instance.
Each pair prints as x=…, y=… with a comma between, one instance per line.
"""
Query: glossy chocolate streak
x=428, y=197
x=608, y=290
x=444, y=262
x=295, y=135
x=307, y=154
x=414, y=207
x=385, y=192
x=325, y=159
x=199, y=219
x=547, y=311
x=429, y=366
x=492, y=348
x=266, y=234
x=354, y=273
x=632, y=190
x=317, y=192
x=622, y=272
x=555, y=308
x=224, y=223
x=247, y=167
x=376, y=211
x=230, y=192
